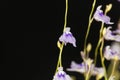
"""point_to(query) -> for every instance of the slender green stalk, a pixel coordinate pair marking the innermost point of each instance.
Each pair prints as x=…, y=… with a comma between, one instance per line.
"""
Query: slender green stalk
x=99, y=42
x=113, y=69
x=102, y=59
x=96, y=51
x=66, y=11
x=59, y=63
x=89, y=24
x=87, y=75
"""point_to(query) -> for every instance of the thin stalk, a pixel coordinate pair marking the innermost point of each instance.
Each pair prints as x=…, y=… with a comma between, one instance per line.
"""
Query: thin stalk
x=102, y=59
x=89, y=24
x=113, y=69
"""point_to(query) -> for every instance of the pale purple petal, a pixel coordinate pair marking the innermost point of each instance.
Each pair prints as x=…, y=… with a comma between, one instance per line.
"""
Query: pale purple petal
x=111, y=53
x=108, y=53
x=77, y=67
x=99, y=16
x=67, y=37
x=117, y=31
x=61, y=75
x=117, y=38
x=109, y=35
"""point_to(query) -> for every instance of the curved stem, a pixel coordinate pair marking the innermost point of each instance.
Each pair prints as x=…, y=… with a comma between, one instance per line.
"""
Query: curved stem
x=59, y=63
x=99, y=42
x=89, y=24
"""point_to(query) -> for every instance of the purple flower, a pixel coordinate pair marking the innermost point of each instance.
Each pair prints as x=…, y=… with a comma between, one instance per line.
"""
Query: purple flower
x=61, y=75
x=112, y=52
x=112, y=35
x=108, y=34
x=67, y=37
x=99, y=16
x=81, y=68
x=85, y=66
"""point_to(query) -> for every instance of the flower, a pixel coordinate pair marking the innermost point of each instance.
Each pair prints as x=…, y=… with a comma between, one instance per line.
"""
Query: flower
x=99, y=16
x=67, y=37
x=85, y=66
x=108, y=34
x=112, y=35
x=112, y=52
x=61, y=75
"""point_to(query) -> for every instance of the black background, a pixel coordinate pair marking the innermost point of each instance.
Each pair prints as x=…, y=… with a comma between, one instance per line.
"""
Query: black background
x=28, y=43
x=3, y=3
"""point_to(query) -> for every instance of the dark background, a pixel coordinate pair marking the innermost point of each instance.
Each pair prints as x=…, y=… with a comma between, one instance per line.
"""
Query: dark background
x=3, y=3
x=28, y=43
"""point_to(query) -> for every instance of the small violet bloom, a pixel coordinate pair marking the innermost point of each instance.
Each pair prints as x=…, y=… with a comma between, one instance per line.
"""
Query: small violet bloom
x=99, y=16
x=111, y=54
x=67, y=37
x=61, y=75
x=112, y=35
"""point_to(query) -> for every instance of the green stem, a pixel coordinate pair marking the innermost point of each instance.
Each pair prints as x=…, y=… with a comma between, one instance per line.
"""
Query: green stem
x=59, y=63
x=113, y=68
x=96, y=51
x=66, y=11
x=89, y=24
x=87, y=75
x=102, y=58
x=99, y=42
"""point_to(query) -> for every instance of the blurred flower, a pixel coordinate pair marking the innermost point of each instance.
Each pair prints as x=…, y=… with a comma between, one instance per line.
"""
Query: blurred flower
x=110, y=54
x=110, y=35
x=85, y=66
x=61, y=75
x=99, y=16
x=67, y=37
x=118, y=0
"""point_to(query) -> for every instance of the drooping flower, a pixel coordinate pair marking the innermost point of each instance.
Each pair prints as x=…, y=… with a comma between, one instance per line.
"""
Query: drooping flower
x=99, y=16
x=67, y=37
x=61, y=75
x=112, y=35
x=112, y=53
